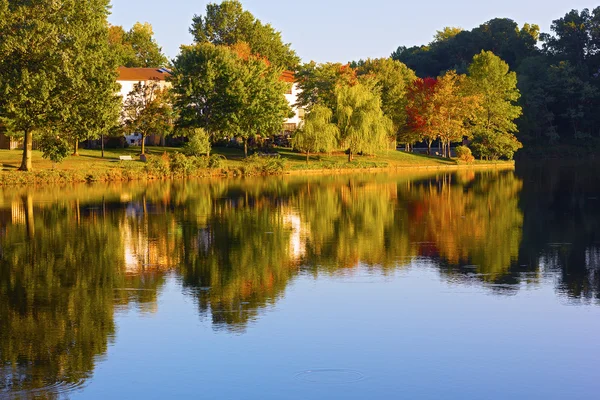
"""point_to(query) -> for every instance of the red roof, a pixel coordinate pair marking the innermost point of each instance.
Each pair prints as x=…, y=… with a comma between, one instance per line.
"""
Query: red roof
x=142, y=74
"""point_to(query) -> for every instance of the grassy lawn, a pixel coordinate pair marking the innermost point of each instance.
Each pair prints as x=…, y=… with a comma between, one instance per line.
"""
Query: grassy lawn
x=89, y=165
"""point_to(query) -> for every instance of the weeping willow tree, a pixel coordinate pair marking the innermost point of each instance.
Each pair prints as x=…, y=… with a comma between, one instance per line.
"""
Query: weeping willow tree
x=318, y=133
x=362, y=124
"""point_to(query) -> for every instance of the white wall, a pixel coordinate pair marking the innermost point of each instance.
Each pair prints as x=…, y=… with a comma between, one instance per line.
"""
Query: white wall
x=292, y=99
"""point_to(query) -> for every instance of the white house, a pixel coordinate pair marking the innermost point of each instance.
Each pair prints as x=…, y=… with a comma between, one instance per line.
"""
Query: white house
x=128, y=78
x=291, y=124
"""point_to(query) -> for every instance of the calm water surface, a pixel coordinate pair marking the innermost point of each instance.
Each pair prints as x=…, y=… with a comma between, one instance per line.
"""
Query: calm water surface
x=471, y=285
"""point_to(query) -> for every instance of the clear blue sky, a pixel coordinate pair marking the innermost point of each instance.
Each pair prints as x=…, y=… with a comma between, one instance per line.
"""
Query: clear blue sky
x=344, y=30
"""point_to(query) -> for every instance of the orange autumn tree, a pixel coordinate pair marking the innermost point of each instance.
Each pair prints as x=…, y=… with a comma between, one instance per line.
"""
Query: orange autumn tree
x=421, y=111
x=453, y=110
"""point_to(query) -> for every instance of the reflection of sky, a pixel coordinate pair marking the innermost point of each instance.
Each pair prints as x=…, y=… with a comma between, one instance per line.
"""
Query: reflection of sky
x=412, y=334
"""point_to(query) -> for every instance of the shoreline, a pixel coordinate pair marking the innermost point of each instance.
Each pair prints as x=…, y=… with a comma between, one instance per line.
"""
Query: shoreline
x=136, y=173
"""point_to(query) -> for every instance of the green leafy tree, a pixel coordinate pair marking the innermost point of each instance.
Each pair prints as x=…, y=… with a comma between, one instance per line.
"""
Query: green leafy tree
x=198, y=142
x=362, y=124
x=228, y=23
x=147, y=110
x=317, y=133
x=136, y=47
x=392, y=79
x=491, y=80
x=227, y=94
x=317, y=83
x=55, y=70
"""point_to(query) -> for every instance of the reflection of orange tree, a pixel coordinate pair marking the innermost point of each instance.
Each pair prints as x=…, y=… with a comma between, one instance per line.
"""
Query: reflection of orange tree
x=469, y=221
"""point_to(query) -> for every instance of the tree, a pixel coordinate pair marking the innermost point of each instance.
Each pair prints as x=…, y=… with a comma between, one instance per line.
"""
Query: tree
x=421, y=111
x=137, y=47
x=446, y=34
x=317, y=83
x=392, y=79
x=226, y=94
x=362, y=125
x=491, y=79
x=147, y=110
x=317, y=133
x=228, y=23
x=198, y=142
x=453, y=109
x=53, y=58
x=54, y=147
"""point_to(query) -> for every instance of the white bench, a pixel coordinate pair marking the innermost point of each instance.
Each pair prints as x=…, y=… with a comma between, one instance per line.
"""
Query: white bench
x=125, y=158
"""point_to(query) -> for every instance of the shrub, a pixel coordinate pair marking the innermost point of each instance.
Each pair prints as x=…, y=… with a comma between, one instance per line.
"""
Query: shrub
x=181, y=165
x=216, y=161
x=199, y=142
x=463, y=153
x=157, y=167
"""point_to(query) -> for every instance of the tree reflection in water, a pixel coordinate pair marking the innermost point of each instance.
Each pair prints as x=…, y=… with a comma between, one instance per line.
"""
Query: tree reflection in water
x=70, y=259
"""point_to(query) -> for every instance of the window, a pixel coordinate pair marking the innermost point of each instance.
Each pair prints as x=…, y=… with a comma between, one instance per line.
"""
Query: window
x=289, y=127
x=289, y=89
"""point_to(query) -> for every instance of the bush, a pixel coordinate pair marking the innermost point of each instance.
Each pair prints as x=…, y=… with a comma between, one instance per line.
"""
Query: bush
x=463, y=153
x=54, y=148
x=199, y=143
x=157, y=167
x=181, y=165
x=216, y=161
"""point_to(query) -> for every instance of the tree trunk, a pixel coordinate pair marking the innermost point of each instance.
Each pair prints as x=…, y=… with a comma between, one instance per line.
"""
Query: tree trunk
x=143, y=144
x=27, y=147
x=76, y=148
x=102, y=144
x=350, y=156
x=28, y=208
x=246, y=147
x=429, y=143
x=307, y=156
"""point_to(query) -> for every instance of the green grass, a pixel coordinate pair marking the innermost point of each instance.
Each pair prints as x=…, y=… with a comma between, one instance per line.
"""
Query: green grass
x=90, y=166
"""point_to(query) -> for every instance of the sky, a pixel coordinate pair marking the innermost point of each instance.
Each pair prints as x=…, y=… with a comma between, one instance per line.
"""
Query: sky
x=344, y=30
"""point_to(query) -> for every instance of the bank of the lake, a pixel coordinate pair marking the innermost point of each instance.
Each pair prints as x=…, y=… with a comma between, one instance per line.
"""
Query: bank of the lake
x=168, y=162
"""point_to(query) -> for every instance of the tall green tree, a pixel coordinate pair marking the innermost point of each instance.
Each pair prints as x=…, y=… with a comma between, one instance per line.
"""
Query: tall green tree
x=228, y=94
x=317, y=133
x=491, y=79
x=136, y=47
x=392, y=80
x=362, y=124
x=53, y=62
x=228, y=23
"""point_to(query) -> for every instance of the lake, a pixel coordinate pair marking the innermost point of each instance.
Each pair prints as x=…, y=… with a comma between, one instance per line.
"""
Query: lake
x=462, y=285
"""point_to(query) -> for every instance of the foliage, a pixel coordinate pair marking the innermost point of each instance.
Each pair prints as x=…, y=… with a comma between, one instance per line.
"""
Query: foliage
x=496, y=86
x=392, y=81
x=228, y=95
x=198, y=143
x=317, y=83
x=317, y=133
x=454, y=109
x=228, y=24
x=137, y=47
x=463, y=153
x=147, y=110
x=55, y=69
x=420, y=110
x=362, y=125
x=54, y=147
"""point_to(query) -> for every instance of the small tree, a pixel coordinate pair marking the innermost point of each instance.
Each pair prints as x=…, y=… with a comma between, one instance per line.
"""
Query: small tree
x=198, y=142
x=317, y=133
x=363, y=126
x=421, y=112
x=147, y=110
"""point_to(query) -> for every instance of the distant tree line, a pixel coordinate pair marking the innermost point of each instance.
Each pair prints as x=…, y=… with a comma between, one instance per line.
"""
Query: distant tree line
x=558, y=72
